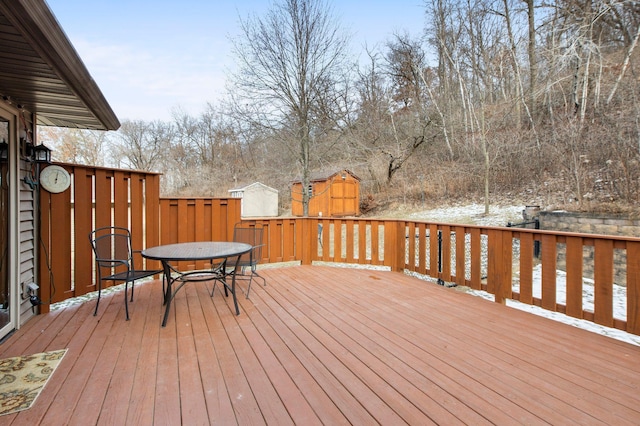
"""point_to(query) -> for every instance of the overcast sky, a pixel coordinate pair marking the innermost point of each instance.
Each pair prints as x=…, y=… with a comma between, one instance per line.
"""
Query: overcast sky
x=150, y=57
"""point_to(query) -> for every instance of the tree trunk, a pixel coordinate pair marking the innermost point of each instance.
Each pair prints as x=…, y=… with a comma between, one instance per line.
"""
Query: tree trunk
x=533, y=66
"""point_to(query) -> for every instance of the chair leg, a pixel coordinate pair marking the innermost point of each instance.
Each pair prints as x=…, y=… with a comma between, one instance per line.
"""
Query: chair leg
x=255, y=273
x=95, y=312
x=250, y=281
x=126, y=298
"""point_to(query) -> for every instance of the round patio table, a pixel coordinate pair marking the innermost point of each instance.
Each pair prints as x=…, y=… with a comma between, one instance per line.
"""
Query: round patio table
x=205, y=250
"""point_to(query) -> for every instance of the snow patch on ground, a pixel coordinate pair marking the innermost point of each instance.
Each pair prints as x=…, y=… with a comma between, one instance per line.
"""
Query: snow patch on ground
x=473, y=214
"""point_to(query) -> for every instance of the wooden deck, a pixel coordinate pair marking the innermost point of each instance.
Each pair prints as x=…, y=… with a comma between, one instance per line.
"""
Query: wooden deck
x=323, y=345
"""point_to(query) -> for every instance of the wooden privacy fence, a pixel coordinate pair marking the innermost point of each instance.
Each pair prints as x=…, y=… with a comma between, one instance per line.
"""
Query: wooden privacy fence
x=510, y=263
x=97, y=197
x=197, y=219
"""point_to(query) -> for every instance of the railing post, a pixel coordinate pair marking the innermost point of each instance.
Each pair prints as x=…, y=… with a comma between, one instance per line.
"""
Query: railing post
x=633, y=287
x=394, y=245
x=499, y=266
x=307, y=242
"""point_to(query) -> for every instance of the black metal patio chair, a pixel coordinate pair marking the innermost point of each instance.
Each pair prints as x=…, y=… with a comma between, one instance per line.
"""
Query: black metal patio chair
x=248, y=263
x=114, y=260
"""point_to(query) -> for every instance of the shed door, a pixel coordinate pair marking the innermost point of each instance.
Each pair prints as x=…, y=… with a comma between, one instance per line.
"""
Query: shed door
x=343, y=198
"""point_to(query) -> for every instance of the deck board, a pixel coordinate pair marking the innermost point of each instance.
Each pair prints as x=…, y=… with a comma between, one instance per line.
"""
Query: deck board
x=324, y=345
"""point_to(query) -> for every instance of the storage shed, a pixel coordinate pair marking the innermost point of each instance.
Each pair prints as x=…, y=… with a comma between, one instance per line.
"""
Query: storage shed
x=258, y=200
x=332, y=194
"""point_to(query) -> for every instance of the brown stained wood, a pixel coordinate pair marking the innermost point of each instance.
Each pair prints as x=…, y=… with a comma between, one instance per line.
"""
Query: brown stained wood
x=58, y=262
x=103, y=198
x=82, y=222
x=574, y=276
x=633, y=287
x=152, y=212
x=167, y=383
x=374, y=244
x=549, y=262
x=446, y=253
x=526, y=268
x=603, y=282
x=337, y=240
x=137, y=225
x=115, y=375
x=203, y=228
x=362, y=245
x=475, y=259
x=120, y=199
x=322, y=345
x=548, y=383
x=219, y=406
x=191, y=386
x=143, y=390
x=494, y=261
x=327, y=246
x=461, y=251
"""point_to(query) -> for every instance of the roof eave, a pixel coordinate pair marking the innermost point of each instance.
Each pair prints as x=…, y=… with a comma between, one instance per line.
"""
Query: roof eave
x=39, y=27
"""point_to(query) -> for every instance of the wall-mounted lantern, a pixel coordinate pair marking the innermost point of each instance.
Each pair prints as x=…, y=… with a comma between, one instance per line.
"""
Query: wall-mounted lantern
x=41, y=154
x=4, y=151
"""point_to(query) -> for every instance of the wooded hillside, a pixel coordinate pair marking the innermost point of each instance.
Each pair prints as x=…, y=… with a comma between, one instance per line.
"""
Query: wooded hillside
x=495, y=99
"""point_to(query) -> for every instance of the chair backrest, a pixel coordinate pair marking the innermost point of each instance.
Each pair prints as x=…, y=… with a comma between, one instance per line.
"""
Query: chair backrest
x=111, y=245
x=252, y=236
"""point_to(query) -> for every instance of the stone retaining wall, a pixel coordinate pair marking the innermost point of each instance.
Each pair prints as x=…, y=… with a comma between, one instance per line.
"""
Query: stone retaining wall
x=590, y=223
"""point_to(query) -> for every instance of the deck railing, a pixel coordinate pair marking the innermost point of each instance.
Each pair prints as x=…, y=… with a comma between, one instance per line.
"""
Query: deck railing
x=509, y=263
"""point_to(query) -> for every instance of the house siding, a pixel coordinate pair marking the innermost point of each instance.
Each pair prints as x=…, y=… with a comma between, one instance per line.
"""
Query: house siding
x=27, y=243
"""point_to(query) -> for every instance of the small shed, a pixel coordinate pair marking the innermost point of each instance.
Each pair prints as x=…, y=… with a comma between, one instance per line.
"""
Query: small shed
x=258, y=200
x=332, y=194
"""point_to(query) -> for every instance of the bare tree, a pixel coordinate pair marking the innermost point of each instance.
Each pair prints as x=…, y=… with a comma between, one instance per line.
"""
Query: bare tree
x=140, y=145
x=289, y=63
x=76, y=146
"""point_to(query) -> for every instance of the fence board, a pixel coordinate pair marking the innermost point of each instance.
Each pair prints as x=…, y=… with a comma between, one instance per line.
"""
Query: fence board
x=445, y=254
x=83, y=255
x=603, y=264
x=461, y=251
x=476, y=259
x=120, y=199
x=102, y=195
x=574, y=277
x=633, y=287
x=526, y=268
x=549, y=266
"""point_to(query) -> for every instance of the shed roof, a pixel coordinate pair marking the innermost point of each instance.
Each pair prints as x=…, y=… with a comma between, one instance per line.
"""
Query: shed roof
x=320, y=176
x=260, y=184
x=42, y=72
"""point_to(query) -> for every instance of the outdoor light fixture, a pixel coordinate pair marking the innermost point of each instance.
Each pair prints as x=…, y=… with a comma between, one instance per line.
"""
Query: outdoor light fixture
x=4, y=151
x=26, y=149
x=41, y=154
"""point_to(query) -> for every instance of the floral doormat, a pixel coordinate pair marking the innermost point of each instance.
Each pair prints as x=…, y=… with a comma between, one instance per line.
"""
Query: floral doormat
x=23, y=377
